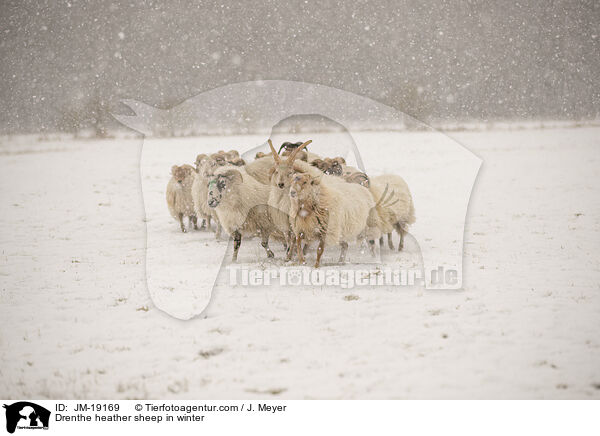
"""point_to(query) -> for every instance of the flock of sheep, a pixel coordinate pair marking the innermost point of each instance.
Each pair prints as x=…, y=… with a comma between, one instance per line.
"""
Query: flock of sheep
x=293, y=196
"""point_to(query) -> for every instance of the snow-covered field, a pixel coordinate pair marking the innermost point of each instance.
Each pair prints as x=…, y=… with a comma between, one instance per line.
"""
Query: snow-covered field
x=77, y=320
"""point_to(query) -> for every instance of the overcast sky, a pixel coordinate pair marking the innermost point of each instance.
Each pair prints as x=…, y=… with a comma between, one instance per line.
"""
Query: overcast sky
x=432, y=59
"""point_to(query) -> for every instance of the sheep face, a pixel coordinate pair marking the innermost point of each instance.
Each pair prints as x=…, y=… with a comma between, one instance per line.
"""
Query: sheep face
x=320, y=164
x=335, y=166
x=220, y=185
x=302, y=186
x=220, y=158
x=359, y=178
x=183, y=174
x=282, y=175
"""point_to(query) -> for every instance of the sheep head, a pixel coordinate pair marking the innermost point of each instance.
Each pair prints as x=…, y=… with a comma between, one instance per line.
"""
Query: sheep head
x=222, y=183
x=320, y=164
x=359, y=178
x=199, y=159
x=232, y=154
x=183, y=174
x=283, y=170
x=335, y=166
x=303, y=186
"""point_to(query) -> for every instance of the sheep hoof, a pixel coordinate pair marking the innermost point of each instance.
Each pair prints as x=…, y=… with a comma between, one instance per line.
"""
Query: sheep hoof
x=183, y=230
x=270, y=254
x=317, y=265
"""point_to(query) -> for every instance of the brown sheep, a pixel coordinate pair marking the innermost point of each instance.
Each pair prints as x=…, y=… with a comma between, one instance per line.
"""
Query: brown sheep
x=179, y=195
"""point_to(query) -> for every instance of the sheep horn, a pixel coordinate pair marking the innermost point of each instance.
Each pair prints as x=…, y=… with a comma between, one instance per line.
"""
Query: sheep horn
x=296, y=151
x=275, y=155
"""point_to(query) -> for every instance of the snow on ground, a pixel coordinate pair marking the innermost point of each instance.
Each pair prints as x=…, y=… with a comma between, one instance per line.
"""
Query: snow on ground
x=77, y=320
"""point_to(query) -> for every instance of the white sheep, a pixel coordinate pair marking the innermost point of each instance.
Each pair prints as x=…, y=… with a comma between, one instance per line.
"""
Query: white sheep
x=240, y=202
x=394, y=206
x=331, y=211
x=335, y=166
x=206, y=168
x=260, y=168
x=393, y=200
x=179, y=195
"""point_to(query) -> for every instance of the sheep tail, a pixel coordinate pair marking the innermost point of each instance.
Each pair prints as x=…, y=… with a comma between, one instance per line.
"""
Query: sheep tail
x=386, y=198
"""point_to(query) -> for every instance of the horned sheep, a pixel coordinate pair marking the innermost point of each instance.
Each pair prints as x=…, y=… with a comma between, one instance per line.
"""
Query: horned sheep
x=281, y=174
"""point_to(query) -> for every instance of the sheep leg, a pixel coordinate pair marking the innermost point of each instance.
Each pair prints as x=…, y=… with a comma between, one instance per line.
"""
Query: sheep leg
x=320, y=250
x=194, y=220
x=290, y=247
x=305, y=248
x=390, y=241
x=181, y=223
x=203, y=225
x=218, y=231
x=343, y=252
x=372, y=246
x=208, y=227
x=265, y=244
x=381, y=242
x=301, y=259
x=400, y=229
x=237, y=241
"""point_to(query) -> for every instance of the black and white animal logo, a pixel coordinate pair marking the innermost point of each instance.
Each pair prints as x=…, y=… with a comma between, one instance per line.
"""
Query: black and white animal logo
x=26, y=415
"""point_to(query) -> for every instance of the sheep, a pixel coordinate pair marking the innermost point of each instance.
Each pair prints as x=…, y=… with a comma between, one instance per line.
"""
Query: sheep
x=358, y=177
x=232, y=154
x=199, y=159
x=393, y=203
x=240, y=202
x=233, y=157
x=179, y=195
x=331, y=211
x=394, y=206
x=259, y=169
x=279, y=200
x=199, y=192
x=335, y=166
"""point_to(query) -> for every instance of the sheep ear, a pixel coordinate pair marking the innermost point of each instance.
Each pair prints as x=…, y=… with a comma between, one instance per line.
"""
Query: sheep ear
x=173, y=169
